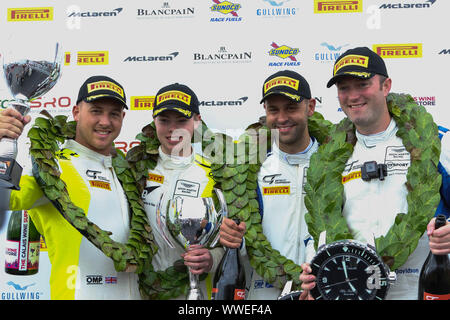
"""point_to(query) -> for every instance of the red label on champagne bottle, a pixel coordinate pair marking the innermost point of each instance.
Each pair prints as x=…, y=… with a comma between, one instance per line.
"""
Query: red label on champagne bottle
x=239, y=294
x=430, y=296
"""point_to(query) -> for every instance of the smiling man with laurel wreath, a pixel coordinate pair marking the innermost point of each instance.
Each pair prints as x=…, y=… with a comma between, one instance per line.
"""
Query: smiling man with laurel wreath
x=84, y=165
x=288, y=105
x=383, y=176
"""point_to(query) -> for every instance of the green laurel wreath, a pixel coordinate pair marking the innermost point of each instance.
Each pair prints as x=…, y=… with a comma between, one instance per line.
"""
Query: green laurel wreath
x=135, y=255
x=324, y=188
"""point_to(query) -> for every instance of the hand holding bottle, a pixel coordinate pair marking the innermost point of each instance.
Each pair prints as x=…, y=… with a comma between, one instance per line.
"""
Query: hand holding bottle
x=439, y=239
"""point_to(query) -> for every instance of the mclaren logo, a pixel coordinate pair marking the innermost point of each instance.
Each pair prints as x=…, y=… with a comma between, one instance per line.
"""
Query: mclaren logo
x=91, y=14
x=168, y=57
x=214, y=103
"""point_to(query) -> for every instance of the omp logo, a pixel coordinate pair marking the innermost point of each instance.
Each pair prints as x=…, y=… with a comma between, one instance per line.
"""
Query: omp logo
x=94, y=279
x=426, y=4
x=412, y=50
x=30, y=14
x=142, y=102
x=174, y=95
x=225, y=7
x=337, y=6
x=353, y=59
x=269, y=191
x=283, y=51
x=156, y=178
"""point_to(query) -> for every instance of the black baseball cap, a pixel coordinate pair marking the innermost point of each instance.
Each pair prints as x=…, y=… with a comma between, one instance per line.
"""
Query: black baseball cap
x=360, y=62
x=176, y=97
x=288, y=83
x=98, y=87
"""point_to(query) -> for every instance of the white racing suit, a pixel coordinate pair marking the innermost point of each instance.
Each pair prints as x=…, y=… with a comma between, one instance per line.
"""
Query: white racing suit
x=370, y=207
x=280, y=185
x=80, y=270
x=185, y=176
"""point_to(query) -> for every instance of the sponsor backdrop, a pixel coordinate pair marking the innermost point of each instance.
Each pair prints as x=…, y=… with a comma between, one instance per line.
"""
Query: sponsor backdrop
x=223, y=50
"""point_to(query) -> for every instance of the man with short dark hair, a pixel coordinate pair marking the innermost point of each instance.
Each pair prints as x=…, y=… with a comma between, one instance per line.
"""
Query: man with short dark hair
x=86, y=168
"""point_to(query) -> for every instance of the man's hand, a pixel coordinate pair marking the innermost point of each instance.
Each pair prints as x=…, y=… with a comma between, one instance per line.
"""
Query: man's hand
x=198, y=259
x=439, y=240
x=308, y=282
x=231, y=234
x=12, y=123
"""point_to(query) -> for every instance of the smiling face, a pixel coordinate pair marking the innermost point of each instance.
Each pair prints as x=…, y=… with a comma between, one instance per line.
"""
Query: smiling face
x=364, y=102
x=290, y=118
x=98, y=124
x=175, y=131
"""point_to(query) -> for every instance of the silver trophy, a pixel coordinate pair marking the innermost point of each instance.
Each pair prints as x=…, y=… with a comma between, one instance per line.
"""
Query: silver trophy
x=27, y=80
x=185, y=221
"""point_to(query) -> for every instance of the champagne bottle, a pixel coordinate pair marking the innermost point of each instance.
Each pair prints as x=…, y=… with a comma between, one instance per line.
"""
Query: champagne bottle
x=22, y=245
x=229, y=280
x=434, y=281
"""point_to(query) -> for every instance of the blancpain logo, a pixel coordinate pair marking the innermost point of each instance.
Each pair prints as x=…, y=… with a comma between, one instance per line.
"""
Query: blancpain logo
x=169, y=57
x=90, y=14
x=223, y=56
x=166, y=11
x=214, y=103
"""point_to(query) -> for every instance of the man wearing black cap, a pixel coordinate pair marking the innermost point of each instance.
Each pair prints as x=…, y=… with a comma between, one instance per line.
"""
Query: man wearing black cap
x=179, y=171
x=86, y=168
x=371, y=203
x=288, y=104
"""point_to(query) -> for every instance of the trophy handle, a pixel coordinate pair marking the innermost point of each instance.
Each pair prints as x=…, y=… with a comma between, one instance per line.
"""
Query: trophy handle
x=161, y=224
x=221, y=214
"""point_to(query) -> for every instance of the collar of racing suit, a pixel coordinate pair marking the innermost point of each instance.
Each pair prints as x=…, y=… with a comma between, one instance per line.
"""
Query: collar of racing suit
x=296, y=158
x=80, y=149
x=175, y=162
x=371, y=140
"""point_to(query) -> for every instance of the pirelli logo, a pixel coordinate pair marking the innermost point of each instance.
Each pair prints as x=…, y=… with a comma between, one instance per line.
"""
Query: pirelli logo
x=100, y=184
x=269, y=191
x=142, y=102
x=30, y=14
x=155, y=178
x=174, y=95
x=337, y=6
x=352, y=60
x=281, y=81
x=104, y=85
x=351, y=176
x=411, y=50
x=92, y=57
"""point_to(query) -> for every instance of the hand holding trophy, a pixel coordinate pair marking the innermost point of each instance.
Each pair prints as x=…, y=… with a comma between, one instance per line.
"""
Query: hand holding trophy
x=185, y=221
x=27, y=80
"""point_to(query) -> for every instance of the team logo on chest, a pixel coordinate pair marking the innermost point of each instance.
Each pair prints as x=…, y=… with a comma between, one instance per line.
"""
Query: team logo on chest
x=96, y=180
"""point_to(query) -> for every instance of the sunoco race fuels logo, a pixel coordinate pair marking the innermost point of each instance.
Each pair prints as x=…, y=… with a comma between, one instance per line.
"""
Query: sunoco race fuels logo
x=226, y=8
x=283, y=52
